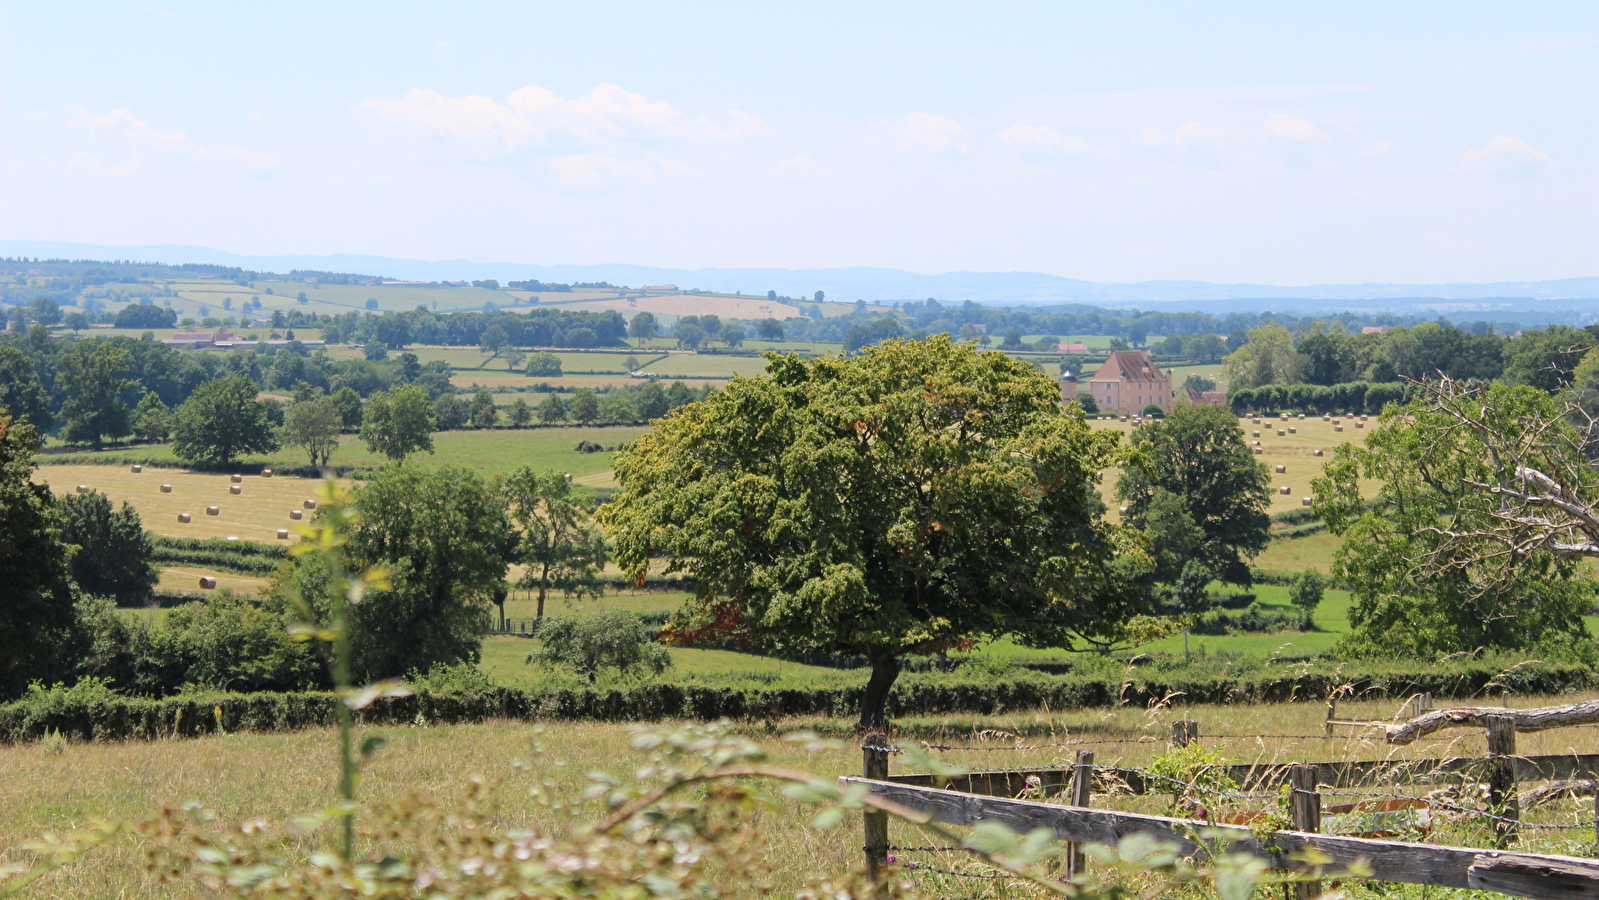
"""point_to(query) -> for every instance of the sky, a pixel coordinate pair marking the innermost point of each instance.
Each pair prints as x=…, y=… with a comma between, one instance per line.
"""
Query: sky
x=1281, y=143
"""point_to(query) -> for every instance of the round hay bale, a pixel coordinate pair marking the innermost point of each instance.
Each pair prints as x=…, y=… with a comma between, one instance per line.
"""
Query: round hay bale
x=208, y=583
x=1338, y=421
x=1360, y=424
x=1285, y=490
x=266, y=473
x=1338, y=428
x=1293, y=431
x=1326, y=418
x=83, y=489
x=238, y=479
x=1304, y=501
x=233, y=537
x=183, y=517
x=296, y=514
x=1301, y=417
x=235, y=489
x=1282, y=470
x=213, y=511
x=1255, y=421
x=1259, y=451
x=138, y=469
x=1256, y=434
x=568, y=477
x=1318, y=452
x=1122, y=511
x=1281, y=433
x=310, y=504
x=283, y=534
x=166, y=488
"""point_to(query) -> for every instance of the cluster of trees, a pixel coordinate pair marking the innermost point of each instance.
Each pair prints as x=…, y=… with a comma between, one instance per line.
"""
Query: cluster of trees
x=535, y=328
x=447, y=536
x=693, y=332
x=1324, y=354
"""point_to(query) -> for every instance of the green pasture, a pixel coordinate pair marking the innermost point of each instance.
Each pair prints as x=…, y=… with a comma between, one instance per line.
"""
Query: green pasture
x=707, y=366
x=488, y=451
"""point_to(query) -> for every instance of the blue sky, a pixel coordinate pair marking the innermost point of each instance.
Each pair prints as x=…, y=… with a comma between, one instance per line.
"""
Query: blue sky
x=1269, y=142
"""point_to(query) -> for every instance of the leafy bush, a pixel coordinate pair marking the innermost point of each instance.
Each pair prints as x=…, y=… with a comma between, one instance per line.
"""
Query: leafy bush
x=613, y=639
x=1306, y=592
x=589, y=447
x=1253, y=619
x=114, y=553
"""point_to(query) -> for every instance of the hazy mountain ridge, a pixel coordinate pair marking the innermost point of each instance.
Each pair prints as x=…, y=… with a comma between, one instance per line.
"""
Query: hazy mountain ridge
x=882, y=284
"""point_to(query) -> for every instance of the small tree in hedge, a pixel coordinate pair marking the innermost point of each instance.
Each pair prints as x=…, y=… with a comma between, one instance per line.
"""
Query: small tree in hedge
x=613, y=639
x=919, y=496
x=1306, y=592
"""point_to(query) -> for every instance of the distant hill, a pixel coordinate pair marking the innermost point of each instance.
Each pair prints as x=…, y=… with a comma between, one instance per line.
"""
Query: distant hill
x=1574, y=296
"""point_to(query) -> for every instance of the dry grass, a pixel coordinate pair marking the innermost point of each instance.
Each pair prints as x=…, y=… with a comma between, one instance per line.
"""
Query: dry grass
x=281, y=775
x=673, y=306
x=253, y=515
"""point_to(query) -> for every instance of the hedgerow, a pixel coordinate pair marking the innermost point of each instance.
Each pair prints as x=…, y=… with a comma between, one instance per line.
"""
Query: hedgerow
x=99, y=715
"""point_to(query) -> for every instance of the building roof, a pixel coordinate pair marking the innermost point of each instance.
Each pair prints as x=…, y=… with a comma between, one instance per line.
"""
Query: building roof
x=1130, y=365
x=1071, y=348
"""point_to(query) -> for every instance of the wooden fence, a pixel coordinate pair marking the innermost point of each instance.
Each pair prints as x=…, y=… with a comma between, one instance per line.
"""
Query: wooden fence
x=995, y=796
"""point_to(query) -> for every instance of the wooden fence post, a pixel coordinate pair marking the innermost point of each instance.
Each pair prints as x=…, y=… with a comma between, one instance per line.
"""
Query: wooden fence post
x=874, y=765
x=1184, y=732
x=1502, y=775
x=1082, y=795
x=1304, y=806
x=1332, y=712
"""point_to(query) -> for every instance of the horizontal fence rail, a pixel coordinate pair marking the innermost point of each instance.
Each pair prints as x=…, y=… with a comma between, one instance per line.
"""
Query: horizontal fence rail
x=1538, y=876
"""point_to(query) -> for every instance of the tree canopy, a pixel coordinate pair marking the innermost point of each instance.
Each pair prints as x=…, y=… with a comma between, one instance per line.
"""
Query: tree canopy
x=93, y=377
x=222, y=420
x=556, y=538
x=1477, y=532
x=114, y=555
x=398, y=423
x=918, y=497
x=1197, y=454
x=35, y=596
x=314, y=425
x=443, y=536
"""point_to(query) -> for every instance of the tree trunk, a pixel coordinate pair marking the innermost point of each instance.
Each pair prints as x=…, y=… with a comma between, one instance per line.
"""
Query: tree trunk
x=544, y=581
x=874, y=702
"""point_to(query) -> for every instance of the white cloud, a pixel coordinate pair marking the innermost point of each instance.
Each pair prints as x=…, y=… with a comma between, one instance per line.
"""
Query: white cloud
x=1186, y=133
x=533, y=113
x=925, y=133
x=800, y=167
x=1293, y=127
x=1039, y=137
x=143, y=135
x=92, y=164
x=583, y=171
x=1382, y=148
x=1503, y=155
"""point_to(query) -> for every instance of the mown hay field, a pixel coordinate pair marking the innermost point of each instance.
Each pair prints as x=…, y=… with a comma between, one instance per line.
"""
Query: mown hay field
x=279, y=776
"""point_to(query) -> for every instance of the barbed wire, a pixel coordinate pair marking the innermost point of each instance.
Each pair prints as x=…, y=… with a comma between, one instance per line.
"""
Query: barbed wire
x=997, y=876
x=1022, y=746
x=1472, y=810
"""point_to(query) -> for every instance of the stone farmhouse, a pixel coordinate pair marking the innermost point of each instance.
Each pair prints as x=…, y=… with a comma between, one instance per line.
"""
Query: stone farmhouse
x=1129, y=382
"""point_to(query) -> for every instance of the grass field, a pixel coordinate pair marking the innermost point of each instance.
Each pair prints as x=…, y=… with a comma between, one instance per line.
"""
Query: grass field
x=495, y=450
x=278, y=776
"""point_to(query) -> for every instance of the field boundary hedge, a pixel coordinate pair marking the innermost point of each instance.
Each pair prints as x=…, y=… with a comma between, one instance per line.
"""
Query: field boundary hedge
x=112, y=717
x=238, y=557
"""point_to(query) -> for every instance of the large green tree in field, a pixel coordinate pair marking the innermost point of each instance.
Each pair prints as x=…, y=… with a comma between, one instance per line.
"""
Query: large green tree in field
x=556, y=537
x=221, y=421
x=114, y=555
x=398, y=423
x=36, y=617
x=91, y=376
x=918, y=497
x=443, y=536
x=1268, y=358
x=1197, y=454
x=314, y=426
x=1478, y=533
